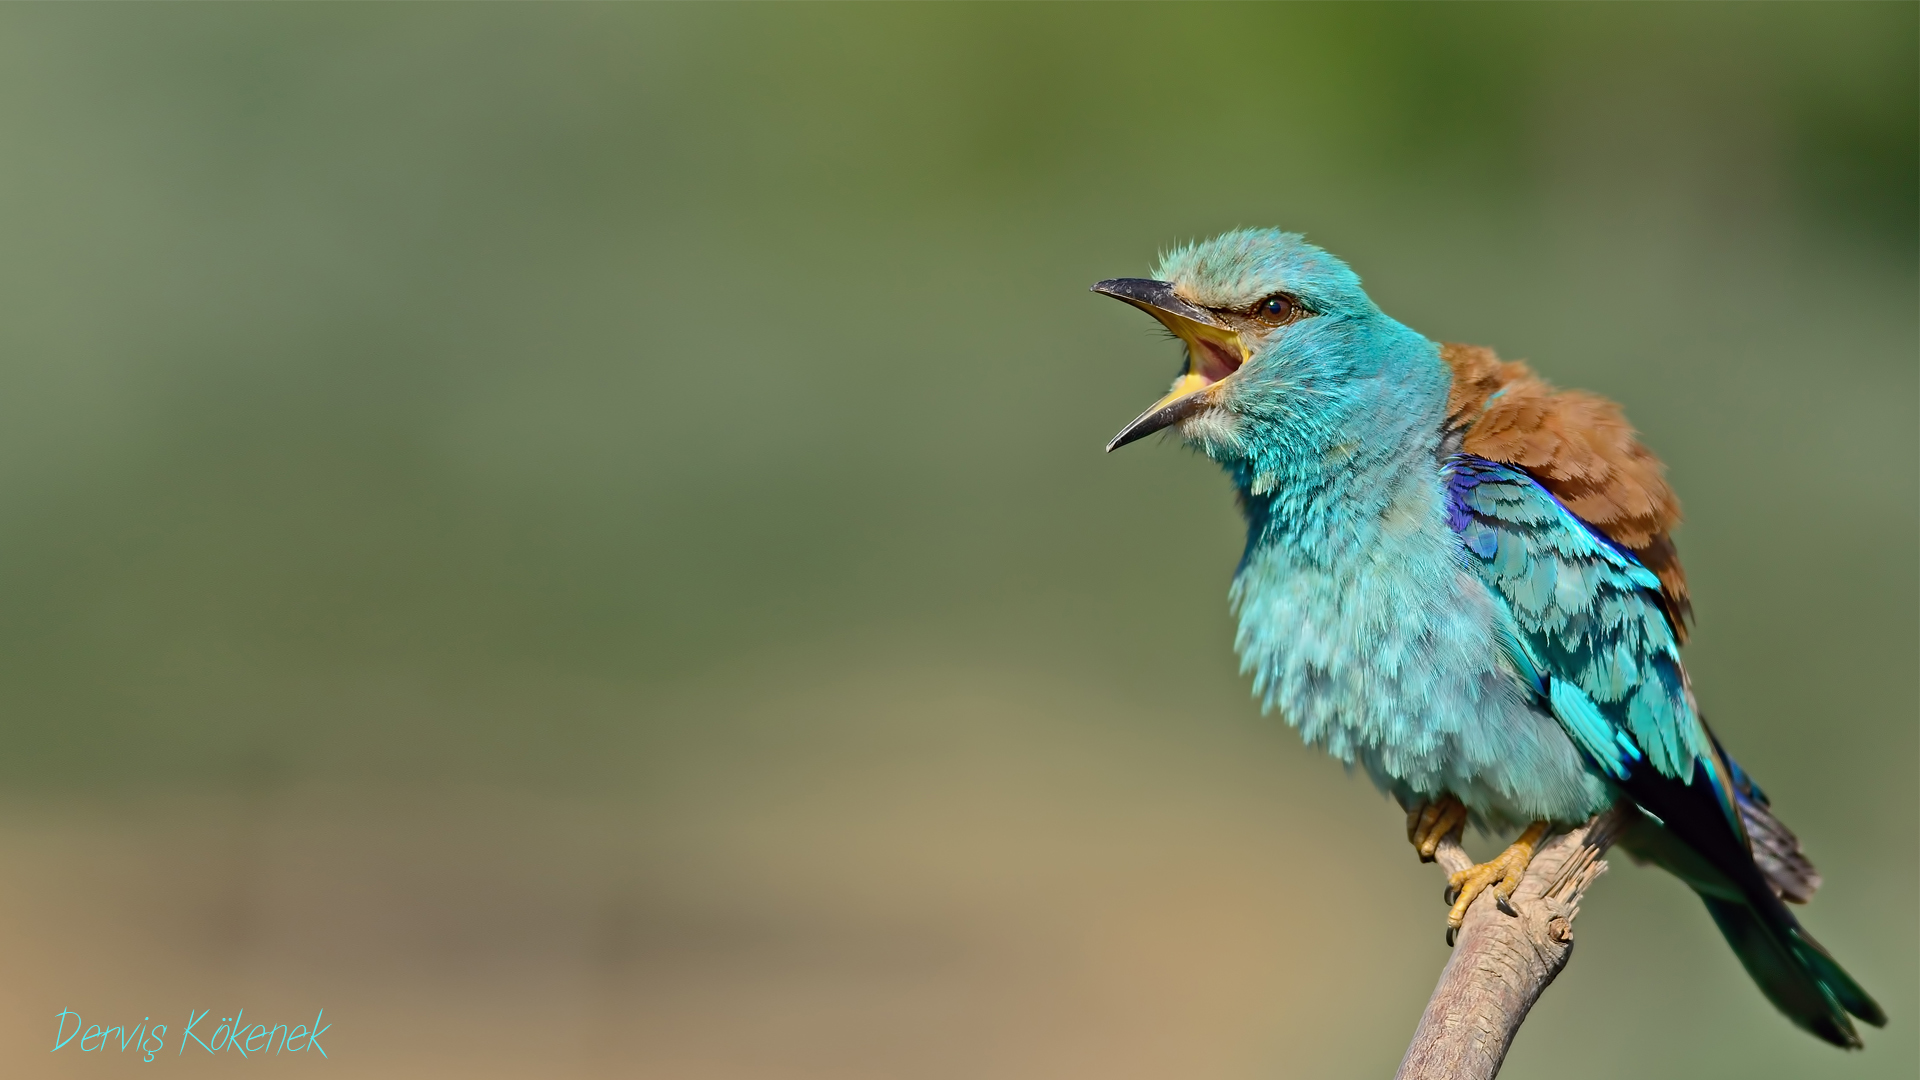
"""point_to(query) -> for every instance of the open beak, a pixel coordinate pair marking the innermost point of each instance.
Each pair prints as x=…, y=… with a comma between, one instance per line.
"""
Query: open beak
x=1214, y=351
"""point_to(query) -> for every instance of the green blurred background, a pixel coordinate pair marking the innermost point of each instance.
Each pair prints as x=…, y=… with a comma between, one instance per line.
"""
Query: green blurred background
x=576, y=538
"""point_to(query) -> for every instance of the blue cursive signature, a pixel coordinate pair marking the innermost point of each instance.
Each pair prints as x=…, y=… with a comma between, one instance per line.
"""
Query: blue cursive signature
x=233, y=1033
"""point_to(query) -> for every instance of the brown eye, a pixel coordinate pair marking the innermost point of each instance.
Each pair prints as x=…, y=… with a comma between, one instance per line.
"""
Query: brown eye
x=1274, y=310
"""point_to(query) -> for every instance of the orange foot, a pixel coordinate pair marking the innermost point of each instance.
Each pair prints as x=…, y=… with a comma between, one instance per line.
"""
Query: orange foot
x=1502, y=874
x=1430, y=822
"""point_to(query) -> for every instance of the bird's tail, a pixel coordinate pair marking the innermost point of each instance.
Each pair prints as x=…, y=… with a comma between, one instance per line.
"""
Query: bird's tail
x=1793, y=971
x=1718, y=834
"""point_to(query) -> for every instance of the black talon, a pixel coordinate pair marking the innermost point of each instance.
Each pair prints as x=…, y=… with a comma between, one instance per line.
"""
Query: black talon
x=1501, y=902
x=1451, y=932
x=1448, y=895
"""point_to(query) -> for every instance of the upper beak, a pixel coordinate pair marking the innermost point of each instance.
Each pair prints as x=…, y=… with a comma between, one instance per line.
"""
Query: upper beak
x=1214, y=351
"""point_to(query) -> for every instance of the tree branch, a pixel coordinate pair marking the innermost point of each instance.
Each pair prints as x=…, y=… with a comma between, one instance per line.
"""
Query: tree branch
x=1501, y=963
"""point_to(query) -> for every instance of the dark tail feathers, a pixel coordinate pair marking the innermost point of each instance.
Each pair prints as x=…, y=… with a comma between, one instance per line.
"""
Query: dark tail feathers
x=1794, y=972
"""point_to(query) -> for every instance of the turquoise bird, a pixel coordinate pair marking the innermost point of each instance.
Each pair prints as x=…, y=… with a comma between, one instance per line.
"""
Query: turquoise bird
x=1462, y=580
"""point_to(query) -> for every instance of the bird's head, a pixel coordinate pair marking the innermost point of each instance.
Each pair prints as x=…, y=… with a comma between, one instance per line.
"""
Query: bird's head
x=1286, y=355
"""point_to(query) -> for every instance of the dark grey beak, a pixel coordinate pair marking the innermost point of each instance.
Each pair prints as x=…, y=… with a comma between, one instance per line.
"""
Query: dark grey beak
x=1156, y=298
x=1190, y=324
x=1164, y=414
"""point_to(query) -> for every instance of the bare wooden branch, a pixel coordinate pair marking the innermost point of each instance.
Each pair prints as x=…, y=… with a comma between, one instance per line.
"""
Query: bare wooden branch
x=1502, y=963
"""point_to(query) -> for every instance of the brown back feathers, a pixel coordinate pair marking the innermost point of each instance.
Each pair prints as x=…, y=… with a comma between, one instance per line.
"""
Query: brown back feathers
x=1579, y=447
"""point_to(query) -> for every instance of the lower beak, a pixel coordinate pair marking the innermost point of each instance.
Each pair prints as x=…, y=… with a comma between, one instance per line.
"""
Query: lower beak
x=1214, y=351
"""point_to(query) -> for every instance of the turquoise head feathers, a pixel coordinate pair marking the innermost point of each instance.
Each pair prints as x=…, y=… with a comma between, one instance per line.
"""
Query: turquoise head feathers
x=1295, y=381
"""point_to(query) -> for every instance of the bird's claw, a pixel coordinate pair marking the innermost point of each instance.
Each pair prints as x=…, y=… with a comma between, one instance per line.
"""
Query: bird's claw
x=1431, y=822
x=1451, y=893
x=1502, y=874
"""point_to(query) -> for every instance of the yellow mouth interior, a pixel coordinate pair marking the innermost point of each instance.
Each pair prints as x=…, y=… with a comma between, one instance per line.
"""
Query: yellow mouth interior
x=1212, y=355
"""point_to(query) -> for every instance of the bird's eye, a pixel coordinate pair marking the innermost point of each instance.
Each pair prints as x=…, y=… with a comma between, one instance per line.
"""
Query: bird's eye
x=1274, y=310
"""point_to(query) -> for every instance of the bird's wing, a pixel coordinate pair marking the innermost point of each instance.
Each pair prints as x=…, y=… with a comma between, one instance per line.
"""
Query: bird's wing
x=1588, y=634
x=1588, y=628
x=1579, y=447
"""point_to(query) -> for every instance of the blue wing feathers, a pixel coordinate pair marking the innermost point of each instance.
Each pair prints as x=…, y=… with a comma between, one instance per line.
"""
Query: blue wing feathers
x=1590, y=730
x=1591, y=637
x=1587, y=617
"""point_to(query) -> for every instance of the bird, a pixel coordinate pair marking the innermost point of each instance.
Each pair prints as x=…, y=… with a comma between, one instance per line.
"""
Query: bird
x=1463, y=580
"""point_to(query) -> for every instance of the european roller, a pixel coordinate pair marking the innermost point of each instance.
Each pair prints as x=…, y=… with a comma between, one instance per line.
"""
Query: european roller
x=1463, y=581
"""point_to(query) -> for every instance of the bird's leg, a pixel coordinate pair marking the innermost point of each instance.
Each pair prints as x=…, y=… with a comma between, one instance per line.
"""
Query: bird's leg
x=1502, y=873
x=1430, y=822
